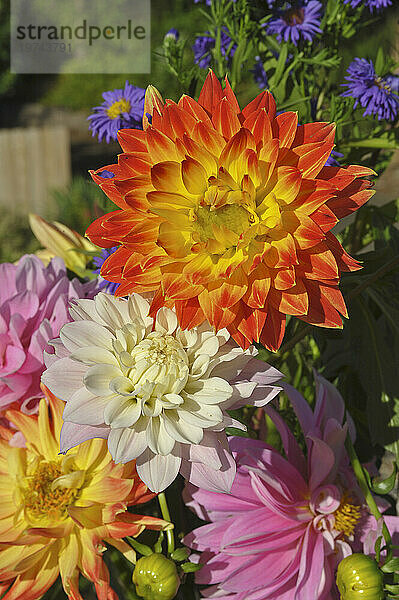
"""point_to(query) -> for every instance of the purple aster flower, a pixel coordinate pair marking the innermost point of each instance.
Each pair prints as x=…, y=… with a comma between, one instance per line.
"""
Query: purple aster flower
x=259, y=73
x=205, y=43
x=332, y=159
x=121, y=109
x=370, y=4
x=106, y=286
x=296, y=21
x=372, y=92
x=393, y=82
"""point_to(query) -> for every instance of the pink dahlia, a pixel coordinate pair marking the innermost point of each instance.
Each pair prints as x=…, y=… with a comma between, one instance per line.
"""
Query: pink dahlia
x=287, y=522
x=33, y=307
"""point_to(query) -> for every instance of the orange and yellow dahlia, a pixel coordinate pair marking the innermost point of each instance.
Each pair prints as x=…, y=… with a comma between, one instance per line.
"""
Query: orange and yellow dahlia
x=56, y=512
x=227, y=214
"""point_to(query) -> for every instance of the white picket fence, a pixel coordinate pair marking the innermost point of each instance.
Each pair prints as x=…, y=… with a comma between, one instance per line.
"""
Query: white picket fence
x=33, y=161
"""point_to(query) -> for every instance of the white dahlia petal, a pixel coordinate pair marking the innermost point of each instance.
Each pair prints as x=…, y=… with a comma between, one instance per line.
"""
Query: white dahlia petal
x=113, y=314
x=91, y=355
x=139, y=308
x=121, y=411
x=159, y=440
x=210, y=391
x=83, y=310
x=85, y=408
x=85, y=333
x=98, y=378
x=157, y=471
x=126, y=444
x=64, y=377
x=181, y=430
x=166, y=321
x=72, y=435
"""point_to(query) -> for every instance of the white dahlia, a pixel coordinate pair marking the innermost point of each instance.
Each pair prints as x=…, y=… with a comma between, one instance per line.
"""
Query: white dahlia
x=159, y=394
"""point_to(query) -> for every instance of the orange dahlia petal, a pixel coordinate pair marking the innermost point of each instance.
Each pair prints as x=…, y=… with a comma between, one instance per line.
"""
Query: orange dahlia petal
x=194, y=109
x=285, y=128
x=211, y=93
x=132, y=140
x=189, y=313
x=263, y=100
x=225, y=119
x=273, y=331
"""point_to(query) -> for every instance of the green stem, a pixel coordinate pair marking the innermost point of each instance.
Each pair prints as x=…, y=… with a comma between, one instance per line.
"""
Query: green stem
x=166, y=516
x=361, y=477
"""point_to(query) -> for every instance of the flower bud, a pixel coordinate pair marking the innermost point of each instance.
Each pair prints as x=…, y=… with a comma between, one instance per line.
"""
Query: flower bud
x=156, y=578
x=359, y=578
x=172, y=34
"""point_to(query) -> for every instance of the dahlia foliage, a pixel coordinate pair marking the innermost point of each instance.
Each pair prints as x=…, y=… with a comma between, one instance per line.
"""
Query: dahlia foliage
x=226, y=214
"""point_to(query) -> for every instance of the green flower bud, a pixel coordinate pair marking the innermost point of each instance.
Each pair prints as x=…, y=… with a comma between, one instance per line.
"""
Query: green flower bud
x=359, y=578
x=155, y=577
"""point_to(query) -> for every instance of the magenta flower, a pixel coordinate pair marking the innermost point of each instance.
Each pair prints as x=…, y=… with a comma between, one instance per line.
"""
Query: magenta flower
x=287, y=522
x=33, y=307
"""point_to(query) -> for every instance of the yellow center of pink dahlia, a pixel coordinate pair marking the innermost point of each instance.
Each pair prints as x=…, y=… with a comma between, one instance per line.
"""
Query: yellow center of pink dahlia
x=347, y=515
x=117, y=108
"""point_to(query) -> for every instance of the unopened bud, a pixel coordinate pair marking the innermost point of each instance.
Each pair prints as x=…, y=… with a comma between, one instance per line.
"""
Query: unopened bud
x=156, y=578
x=359, y=578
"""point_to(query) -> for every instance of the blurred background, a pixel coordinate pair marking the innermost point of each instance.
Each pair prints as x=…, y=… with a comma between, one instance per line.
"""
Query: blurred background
x=46, y=147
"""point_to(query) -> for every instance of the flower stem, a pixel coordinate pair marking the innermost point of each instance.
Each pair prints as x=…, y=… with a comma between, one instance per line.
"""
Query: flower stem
x=361, y=477
x=166, y=516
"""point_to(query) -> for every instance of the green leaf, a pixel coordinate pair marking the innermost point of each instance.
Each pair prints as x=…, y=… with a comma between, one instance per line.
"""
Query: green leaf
x=385, y=486
x=190, y=567
x=391, y=566
x=392, y=588
x=180, y=554
x=280, y=67
x=382, y=142
x=379, y=61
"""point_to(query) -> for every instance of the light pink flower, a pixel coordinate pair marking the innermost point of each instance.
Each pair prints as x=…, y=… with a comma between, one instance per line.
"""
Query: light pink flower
x=33, y=307
x=287, y=522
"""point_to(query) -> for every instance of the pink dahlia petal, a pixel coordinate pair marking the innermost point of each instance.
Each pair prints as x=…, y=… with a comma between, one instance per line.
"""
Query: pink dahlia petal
x=292, y=449
x=321, y=462
x=29, y=295
x=311, y=567
x=302, y=409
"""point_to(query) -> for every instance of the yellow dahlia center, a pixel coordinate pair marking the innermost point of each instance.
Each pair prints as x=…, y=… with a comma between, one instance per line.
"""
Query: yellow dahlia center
x=118, y=107
x=162, y=350
x=347, y=515
x=44, y=496
x=232, y=217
